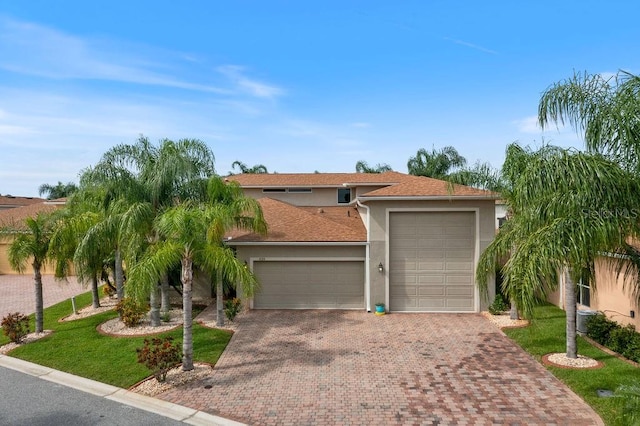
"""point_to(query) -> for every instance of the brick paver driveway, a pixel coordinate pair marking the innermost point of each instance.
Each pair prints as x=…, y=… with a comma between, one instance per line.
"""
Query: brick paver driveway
x=17, y=292
x=347, y=367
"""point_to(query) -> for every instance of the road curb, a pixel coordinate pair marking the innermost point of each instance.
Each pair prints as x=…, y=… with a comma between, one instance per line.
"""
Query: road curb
x=114, y=393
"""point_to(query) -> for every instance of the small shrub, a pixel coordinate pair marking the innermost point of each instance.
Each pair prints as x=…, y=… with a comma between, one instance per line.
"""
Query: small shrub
x=131, y=312
x=232, y=307
x=599, y=328
x=108, y=290
x=621, y=337
x=165, y=316
x=498, y=306
x=632, y=351
x=159, y=356
x=15, y=326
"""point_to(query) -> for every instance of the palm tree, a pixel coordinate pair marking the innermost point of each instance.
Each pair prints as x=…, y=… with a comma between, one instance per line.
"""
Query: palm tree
x=192, y=235
x=606, y=111
x=61, y=190
x=562, y=204
x=243, y=168
x=363, y=167
x=31, y=245
x=437, y=163
x=150, y=179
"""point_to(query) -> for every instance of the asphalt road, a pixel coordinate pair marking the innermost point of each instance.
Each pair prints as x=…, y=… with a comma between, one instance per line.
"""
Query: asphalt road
x=30, y=401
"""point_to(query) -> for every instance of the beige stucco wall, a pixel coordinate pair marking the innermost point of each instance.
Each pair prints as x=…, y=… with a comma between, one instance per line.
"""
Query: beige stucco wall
x=378, y=235
x=5, y=268
x=612, y=297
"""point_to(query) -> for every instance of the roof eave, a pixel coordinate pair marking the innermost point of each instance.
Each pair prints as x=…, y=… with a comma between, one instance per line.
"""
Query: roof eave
x=427, y=198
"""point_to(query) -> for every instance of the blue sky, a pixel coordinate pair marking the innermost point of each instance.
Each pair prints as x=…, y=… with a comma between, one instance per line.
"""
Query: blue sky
x=298, y=86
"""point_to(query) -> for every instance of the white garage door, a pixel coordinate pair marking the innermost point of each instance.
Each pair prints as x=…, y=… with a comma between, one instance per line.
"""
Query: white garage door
x=431, y=261
x=309, y=285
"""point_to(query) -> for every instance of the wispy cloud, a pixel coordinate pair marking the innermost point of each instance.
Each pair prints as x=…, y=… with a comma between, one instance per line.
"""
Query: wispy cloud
x=36, y=50
x=253, y=87
x=528, y=125
x=471, y=45
x=361, y=125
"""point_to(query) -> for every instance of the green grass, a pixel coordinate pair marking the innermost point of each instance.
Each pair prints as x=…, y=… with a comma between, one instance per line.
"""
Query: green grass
x=547, y=335
x=77, y=348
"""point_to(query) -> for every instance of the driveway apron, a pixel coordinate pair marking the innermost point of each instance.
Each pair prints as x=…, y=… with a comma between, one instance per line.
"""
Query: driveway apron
x=351, y=367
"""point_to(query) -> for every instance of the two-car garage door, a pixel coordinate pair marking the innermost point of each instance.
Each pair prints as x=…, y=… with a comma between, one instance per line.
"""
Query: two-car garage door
x=432, y=261
x=332, y=284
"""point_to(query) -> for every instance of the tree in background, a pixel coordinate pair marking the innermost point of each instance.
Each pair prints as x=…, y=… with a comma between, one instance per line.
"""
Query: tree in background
x=436, y=164
x=243, y=168
x=61, y=190
x=363, y=167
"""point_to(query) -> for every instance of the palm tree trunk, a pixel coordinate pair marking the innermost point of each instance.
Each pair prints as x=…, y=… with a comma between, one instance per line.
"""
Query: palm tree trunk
x=37, y=279
x=154, y=303
x=219, y=302
x=95, y=294
x=570, y=302
x=187, y=331
x=513, y=313
x=165, y=304
x=119, y=278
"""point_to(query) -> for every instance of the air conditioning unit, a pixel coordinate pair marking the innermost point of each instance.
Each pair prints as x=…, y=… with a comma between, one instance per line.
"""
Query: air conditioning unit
x=581, y=320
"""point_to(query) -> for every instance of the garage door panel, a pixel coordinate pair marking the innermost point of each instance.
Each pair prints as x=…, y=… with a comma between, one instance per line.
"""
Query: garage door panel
x=432, y=291
x=309, y=285
x=438, y=275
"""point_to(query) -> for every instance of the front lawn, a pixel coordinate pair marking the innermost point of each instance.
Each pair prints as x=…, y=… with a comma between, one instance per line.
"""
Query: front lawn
x=547, y=334
x=77, y=348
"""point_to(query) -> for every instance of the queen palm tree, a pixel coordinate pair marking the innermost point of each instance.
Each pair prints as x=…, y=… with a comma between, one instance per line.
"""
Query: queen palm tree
x=150, y=179
x=437, y=163
x=561, y=219
x=363, y=167
x=31, y=245
x=60, y=190
x=192, y=236
x=243, y=168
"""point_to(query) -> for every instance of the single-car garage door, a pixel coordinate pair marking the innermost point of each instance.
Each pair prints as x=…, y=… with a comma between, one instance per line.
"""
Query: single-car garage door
x=431, y=261
x=309, y=285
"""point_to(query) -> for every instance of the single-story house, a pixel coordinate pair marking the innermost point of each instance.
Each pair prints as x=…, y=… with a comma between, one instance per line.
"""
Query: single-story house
x=351, y=240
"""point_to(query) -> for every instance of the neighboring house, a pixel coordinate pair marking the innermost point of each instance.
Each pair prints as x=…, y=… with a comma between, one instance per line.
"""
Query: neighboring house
x=15, y=217
x=351, y=240
x=11, y=202
x=609, y=295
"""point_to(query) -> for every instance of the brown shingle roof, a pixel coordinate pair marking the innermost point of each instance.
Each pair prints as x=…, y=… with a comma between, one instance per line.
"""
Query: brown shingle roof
x=289, y=223
x=396, y=184
x=315, y=179
x=9, y=201
x=16, y=217
x=420, y=186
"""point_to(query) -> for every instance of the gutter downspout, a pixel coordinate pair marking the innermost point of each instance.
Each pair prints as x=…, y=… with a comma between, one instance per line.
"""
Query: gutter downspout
x=367, y=269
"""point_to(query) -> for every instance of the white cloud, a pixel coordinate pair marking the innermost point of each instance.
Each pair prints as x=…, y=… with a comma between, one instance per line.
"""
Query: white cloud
x=253, y=87
x=36, y=50
x=361, y=125
x=471, y=45
x=528, y=125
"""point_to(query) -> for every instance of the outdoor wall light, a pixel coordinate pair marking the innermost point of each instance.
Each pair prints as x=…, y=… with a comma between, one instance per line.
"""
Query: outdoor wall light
x=380, y=267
